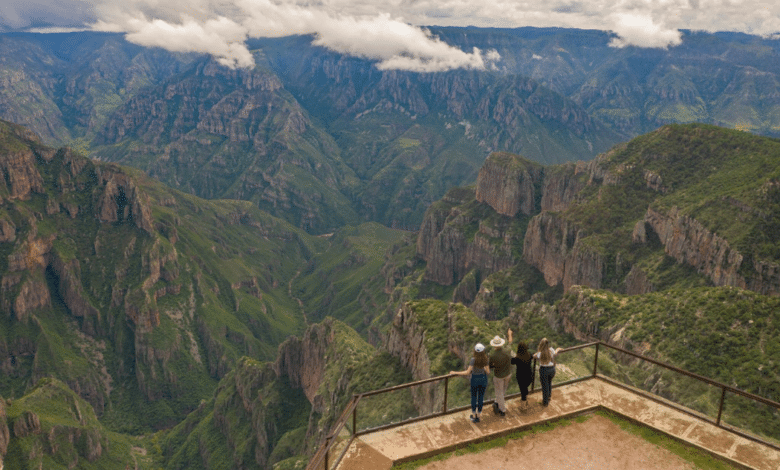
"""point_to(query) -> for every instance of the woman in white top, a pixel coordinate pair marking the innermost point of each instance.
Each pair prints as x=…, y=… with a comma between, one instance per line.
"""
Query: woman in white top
x=546, y=357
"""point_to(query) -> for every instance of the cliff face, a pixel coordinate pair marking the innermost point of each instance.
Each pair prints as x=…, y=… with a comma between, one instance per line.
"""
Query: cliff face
x=53, y=426
x=517, y=190
x=109, y=277
x=508, y=184
x=584, y=223
x=5, y=433
x=688, y=241
x=454, y=240
x=216, y=132
x=258, y=407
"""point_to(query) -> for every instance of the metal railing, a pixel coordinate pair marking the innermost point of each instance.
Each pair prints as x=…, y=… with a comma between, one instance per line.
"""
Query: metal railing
x=322, y=459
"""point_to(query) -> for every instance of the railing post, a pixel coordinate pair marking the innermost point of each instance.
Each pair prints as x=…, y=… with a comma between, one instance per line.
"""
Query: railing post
x=720, y=408
x=354, y=415
x=327, y=451
x=533, y=374
x=596, y=359
x=446, y=389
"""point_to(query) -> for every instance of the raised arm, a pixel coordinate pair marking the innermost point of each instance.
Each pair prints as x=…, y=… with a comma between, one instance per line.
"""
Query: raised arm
x=509, y=336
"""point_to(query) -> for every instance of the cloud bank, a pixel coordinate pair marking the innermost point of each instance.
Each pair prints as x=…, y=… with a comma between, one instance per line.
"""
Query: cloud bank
x=390, y=32
x=222, y=30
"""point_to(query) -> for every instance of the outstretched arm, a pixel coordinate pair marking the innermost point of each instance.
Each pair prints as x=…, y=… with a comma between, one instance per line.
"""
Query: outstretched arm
x=509, y=335
x=463, y=372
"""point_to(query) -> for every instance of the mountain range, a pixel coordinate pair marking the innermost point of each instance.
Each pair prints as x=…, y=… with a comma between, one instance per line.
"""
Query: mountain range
x=213, y=285
x=322, y=139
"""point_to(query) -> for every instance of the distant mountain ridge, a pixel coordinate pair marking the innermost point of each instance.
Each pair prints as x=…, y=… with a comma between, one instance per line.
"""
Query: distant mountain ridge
x=335, y=140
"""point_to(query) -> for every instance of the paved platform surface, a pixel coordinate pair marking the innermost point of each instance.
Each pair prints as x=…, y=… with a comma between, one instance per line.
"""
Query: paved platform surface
x=379, y=450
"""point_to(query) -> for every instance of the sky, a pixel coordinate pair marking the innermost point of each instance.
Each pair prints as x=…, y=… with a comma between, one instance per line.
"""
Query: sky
x=390, y=32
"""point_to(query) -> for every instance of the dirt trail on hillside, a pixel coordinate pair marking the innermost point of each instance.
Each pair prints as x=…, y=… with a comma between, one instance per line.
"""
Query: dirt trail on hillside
x=597, y=443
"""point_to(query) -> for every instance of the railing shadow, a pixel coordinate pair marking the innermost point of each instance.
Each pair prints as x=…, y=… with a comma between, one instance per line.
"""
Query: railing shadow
x=655, y=380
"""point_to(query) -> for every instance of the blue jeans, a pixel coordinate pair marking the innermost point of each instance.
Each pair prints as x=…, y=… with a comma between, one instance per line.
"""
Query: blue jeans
x=546, y=375
x=478, y=387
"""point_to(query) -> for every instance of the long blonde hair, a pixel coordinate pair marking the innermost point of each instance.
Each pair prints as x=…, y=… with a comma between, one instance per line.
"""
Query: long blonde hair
x=544, y=351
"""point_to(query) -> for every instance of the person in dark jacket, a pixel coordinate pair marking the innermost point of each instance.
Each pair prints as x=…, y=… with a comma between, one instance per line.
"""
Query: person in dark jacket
x=524, y=372
x=502, y=373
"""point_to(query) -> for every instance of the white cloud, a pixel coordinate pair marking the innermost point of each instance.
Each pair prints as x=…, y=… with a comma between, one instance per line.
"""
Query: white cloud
x=221, y=37
x=393, y=43
x=388, y=31
x=639, y=30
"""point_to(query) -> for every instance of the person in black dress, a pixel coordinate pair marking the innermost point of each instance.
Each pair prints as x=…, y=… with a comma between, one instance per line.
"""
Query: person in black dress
x=524, y=373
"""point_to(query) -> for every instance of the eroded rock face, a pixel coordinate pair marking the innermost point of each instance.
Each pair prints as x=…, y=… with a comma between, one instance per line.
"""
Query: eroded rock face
x=21, y=177
x=121, y=200
x=450, y=255
x=5, y=433
x=302, y=361
x=507, y=183
x=552, y=245
x=561, y=186
x=26, y=424
x=406, y=341
x=688, y=241
x=7, y=231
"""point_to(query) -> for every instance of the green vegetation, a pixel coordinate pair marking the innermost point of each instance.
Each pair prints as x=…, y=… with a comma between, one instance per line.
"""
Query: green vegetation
x=343, y=279
x=60, y=431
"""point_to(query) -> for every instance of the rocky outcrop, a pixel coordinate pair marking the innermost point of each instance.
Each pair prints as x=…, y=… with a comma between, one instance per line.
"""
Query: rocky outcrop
x=67, y=435
x=406, y=341
x=578, y=315
x=5, y=433
x=120, y=200
x=303, y=360
x=7, y=231
x=636, y=282
x=688, y=241
x=72, y=293
x=450, y=253
x=20, y=175
x=562, y=184
x=247, y=401
x=27, y=424
x=508, y=183
x=553, y=246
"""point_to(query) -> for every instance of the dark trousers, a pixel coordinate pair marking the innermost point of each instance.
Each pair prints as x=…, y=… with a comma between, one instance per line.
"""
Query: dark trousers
x=523, y=382
x=478, y=387
x=546, y=375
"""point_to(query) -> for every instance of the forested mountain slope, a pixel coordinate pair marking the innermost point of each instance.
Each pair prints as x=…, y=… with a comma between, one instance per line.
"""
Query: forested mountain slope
x=321, y=140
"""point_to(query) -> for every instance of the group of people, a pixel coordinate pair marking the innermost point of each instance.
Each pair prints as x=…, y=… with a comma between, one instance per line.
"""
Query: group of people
x=500, y=362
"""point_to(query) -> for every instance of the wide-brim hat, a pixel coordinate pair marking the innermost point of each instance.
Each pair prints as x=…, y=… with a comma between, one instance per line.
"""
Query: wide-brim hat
x=497, y=342
x=479, y=347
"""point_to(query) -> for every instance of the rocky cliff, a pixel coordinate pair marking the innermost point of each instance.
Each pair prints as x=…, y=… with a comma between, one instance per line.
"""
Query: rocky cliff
x=242, y=126
x=53, y=427
x=688, y=241
x=108, y=277
x=585, y=223
x=508, y=184
x=456, y=238
x=555, y=247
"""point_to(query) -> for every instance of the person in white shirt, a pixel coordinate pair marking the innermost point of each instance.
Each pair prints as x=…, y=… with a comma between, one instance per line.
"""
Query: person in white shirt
x=546, y=357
